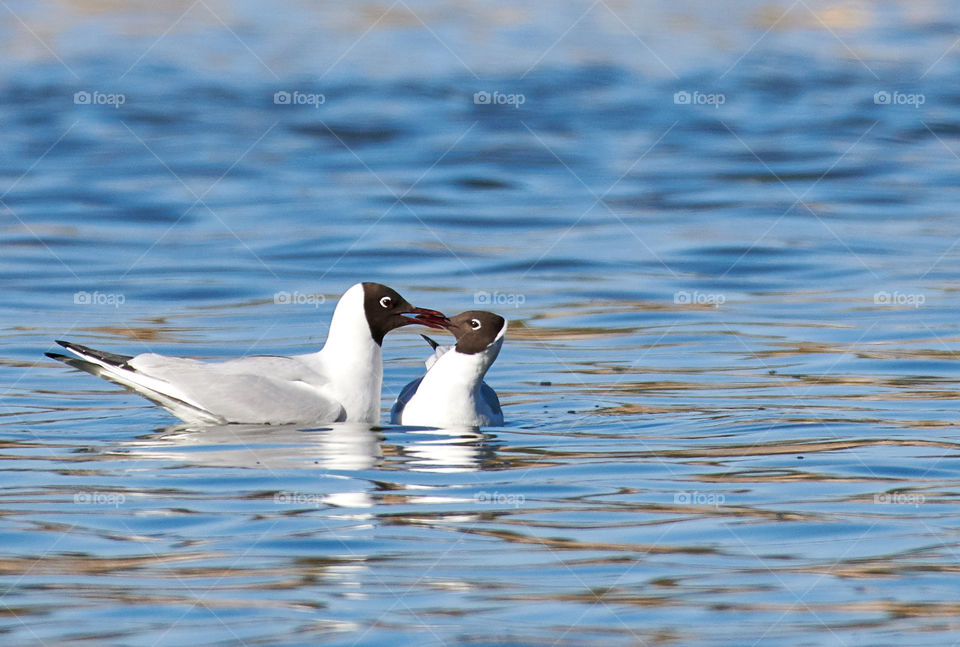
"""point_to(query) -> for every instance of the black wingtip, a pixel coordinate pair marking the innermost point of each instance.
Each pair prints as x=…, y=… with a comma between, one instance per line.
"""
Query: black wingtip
x=102, y=355
x=432, y=343
x=56, y=356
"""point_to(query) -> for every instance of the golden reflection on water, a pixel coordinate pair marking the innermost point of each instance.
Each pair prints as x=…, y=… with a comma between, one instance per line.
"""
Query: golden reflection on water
x=486, y=35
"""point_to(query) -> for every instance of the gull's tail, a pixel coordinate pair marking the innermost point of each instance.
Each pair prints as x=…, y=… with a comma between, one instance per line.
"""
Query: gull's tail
x=115, y=368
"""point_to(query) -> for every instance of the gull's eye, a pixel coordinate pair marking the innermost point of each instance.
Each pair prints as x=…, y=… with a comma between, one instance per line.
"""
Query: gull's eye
x=386, y=302
x=475, y=324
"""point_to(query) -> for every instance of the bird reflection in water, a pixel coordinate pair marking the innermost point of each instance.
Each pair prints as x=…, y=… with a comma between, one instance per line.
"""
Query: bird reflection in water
x=336, y=448
x=463, y=449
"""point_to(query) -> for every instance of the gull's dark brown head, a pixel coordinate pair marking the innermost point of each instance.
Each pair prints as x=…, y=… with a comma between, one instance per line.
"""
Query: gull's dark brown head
x=475, y=330
x=385, y=310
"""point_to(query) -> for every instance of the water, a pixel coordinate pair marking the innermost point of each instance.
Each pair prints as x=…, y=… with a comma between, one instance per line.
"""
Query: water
x=730, y=377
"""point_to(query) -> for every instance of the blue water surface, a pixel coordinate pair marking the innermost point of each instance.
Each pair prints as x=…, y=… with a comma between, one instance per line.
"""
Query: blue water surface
x=725, y=237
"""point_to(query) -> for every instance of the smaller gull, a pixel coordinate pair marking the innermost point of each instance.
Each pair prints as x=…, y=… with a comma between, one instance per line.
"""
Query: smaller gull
x=452, y=391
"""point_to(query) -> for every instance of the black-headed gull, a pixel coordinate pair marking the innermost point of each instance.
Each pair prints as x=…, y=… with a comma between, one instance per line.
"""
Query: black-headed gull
x=452, y=391
x=339, y=383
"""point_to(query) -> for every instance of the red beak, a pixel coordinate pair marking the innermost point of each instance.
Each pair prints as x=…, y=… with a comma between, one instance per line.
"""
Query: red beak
x=429, y=318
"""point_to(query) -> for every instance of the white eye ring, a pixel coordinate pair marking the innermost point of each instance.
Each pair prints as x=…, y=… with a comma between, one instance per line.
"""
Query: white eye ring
x=475, y=324
x=386, y=302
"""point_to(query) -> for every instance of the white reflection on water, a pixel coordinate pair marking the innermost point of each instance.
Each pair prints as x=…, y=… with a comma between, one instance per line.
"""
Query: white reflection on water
x=445, y=450
x=337, y=447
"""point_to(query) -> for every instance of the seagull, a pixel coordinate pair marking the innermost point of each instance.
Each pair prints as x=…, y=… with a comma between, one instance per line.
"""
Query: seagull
x=339, y=383
x=452, y=391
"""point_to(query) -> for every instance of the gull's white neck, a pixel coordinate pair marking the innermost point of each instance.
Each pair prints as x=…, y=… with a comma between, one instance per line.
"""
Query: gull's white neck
x=356, y=361
x=456, y=377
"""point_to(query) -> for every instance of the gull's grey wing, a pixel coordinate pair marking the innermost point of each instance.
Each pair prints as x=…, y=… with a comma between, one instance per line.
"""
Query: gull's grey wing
x=113, y=368
x=490, y=397
x=254, y=389
x=408, y=391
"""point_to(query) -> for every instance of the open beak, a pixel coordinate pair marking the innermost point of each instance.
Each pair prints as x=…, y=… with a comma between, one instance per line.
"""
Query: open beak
x=429, y=318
